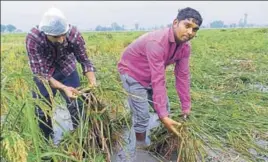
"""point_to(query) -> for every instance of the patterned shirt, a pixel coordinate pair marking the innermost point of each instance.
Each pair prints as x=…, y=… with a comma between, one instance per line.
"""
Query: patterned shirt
x=44, y=57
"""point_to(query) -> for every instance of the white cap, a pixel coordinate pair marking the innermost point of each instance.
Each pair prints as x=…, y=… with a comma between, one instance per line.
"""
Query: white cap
x=54, y=22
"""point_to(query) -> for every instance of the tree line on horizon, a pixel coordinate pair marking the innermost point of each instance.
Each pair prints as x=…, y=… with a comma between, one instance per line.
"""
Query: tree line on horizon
x=116, y=27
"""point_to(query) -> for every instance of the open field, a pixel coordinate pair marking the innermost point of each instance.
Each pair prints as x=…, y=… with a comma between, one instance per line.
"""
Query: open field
x=229, y=90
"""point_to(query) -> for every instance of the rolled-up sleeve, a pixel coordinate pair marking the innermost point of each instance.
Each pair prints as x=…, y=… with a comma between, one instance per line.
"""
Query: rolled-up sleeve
x=155, y=55
x=182, y=74
x=80, y=52
x=37, y=64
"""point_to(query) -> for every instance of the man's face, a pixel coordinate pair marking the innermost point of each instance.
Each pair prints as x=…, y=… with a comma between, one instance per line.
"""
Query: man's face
x=56, y=39
x=184, y=30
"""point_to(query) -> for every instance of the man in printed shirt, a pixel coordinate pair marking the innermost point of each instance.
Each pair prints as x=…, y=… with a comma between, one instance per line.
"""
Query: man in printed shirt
x=142, y=71
x=53, y=48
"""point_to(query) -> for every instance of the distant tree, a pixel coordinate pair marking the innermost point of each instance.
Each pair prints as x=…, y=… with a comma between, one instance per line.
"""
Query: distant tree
x=98, y=28
x=18, y=31
x=245, y=19
x=251, y=25
x=217, y=24
x=233, y=25
x=114, y=26
x=137, y=26
x=142, y=29
x=156, y=27
x=10, y=28
x=169, y=25
x=241, y=23
x=3, y=28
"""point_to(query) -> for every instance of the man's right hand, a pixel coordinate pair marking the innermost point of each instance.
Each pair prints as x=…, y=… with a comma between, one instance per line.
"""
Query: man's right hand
x=70, y=92
x=171, y=124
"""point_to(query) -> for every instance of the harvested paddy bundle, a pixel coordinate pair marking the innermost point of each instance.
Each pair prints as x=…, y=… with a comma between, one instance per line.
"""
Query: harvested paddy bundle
x=183, y=147
x=98, y=133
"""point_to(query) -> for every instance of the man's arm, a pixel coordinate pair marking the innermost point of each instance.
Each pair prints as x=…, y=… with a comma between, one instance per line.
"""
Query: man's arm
x=155, y=55
x=81, y=56
x=56, y=84
x=69, y=91
x=37, y=64
x=91, y=78
x=182, y=74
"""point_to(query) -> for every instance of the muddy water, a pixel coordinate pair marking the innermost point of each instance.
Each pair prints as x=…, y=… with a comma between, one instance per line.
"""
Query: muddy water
x=61, y=122
x=129, y=153
x=259, y=87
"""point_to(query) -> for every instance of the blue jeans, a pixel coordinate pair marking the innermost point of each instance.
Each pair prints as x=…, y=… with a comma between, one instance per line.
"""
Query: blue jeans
x=75, y=108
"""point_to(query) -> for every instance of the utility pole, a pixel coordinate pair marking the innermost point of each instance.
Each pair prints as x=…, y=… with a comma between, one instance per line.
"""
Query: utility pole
x=245, y=19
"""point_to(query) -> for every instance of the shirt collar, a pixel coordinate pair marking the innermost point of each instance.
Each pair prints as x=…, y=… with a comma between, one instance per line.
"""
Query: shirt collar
x=171, y=35
x=172, y=38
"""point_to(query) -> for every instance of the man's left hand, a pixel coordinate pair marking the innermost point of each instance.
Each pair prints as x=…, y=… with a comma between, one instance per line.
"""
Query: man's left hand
x=185, y=114
x=91, y=79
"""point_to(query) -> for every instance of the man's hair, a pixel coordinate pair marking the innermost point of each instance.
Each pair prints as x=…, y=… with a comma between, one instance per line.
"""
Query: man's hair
x=188, y=13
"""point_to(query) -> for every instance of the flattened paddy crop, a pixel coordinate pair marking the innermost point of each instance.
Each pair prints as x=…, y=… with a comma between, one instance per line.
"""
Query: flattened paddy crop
x=229, y=82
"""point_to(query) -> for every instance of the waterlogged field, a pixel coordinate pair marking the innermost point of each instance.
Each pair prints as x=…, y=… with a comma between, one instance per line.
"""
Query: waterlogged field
x=229, y=90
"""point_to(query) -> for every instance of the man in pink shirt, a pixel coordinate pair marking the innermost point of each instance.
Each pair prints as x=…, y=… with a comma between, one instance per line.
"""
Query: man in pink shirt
x=142, y=70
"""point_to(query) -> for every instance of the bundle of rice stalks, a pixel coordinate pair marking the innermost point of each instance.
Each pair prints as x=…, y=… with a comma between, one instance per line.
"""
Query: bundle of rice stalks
x=183, y=147
x=98, y=133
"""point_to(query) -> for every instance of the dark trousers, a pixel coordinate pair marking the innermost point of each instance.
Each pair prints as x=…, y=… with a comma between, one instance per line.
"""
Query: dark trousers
x=75, y=108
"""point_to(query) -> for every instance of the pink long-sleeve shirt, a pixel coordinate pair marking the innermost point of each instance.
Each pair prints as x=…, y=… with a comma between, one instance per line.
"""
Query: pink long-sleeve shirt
x=146, y=59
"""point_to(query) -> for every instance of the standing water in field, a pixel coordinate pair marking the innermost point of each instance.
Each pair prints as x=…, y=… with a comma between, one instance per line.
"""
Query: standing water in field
x=129, y=153
x=62, y=123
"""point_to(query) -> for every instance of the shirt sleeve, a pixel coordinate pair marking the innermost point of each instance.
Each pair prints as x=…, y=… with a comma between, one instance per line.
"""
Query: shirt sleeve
x=155, y=55
x=80, y=52
x=37, y=64
x=182, y=74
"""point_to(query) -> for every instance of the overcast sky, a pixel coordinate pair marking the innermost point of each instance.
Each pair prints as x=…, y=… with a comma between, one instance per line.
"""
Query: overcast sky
x=89, y=14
